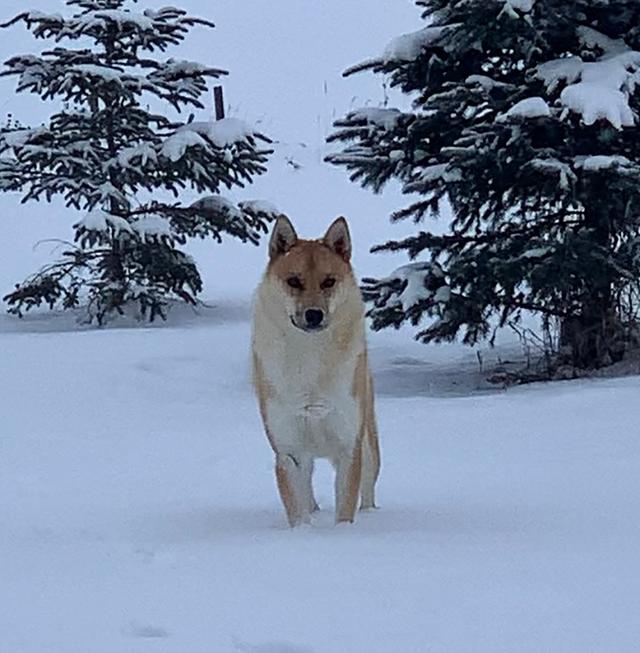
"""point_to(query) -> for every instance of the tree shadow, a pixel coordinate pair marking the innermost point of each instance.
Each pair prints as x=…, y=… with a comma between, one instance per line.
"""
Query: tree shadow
x=414, y=377
x=179, y=315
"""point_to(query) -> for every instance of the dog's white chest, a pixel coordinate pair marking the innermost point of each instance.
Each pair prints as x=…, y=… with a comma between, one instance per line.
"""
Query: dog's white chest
x=312, y=408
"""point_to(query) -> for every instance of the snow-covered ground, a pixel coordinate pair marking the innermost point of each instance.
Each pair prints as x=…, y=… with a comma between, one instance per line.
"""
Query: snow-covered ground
x=138, y=503
x=138, y=509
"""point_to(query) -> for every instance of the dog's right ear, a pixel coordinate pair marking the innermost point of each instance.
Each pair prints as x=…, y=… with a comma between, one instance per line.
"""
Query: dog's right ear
x=283, y=237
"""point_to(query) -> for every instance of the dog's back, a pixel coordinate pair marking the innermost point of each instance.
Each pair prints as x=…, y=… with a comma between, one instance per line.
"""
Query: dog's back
x=311, y=371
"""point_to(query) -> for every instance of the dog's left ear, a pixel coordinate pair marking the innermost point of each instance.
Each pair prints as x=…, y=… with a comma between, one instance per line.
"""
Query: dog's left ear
x=338, y=239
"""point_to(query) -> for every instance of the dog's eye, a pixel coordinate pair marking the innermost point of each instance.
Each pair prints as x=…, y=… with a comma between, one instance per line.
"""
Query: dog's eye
x=329, y=282
x=295, y=282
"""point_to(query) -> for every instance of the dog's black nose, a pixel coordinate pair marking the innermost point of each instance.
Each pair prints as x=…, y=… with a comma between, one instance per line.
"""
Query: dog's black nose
x=313, y=317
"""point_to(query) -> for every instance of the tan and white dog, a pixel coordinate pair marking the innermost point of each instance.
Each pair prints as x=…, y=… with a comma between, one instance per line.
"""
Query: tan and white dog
x=311, y=373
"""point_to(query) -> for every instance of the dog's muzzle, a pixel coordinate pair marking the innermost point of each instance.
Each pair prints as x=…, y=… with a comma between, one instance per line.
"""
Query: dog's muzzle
x=313, y=319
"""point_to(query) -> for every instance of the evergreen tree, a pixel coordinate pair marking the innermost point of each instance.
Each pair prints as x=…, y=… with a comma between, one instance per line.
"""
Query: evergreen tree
x=111, y=148
x=525, y=118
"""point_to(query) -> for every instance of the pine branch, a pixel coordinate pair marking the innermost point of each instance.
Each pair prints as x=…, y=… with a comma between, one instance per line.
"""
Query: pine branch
x=105, y=147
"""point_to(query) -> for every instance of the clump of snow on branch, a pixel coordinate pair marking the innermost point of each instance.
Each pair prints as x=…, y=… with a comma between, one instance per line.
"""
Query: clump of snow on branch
x=176, y=145
x=146, y=227
x=429, y=174
x=602, y=162
x=516, y=8
x=222, y=133
x=595, y=102
x=409, y=285
x=248, y=217
x=137, y=154
x=533, y=107
x=409, y=46
x=485, y=82
x=152, y=227
x=96, y=220
x=596, y=90
x=557, y=168
x=218, y=204
x=261, y=206
x=383, y=118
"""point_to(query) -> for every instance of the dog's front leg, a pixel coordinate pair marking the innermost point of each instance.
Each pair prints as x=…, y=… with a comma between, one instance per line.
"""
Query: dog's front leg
x=348, y=427
x=348, y=475
x=293, y=475
x=293, y=467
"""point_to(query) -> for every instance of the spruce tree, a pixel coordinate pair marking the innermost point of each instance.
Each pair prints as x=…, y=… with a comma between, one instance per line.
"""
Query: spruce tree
x=118, y=155
x=524, y=118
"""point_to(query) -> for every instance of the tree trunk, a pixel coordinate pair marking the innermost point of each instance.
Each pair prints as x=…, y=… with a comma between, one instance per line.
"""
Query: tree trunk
x=594, y=336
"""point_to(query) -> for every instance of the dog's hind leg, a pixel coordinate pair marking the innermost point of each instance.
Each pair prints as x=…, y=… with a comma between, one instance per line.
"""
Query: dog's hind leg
x=370, y=469
x=370, y=461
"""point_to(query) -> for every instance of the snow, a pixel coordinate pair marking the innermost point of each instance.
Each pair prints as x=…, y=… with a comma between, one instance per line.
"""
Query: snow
x=536, y=252
x=486, y=82
x=109, y=74
x=223, y=133
x=413, y=289
x=145, y=226
x=219, y=204
x=144, y=151
x=434, y=172
x=601, y=162
x=34, y=16
x=409, y=46
x=384, y=118
x=182, y=67
x=512, y=7
x=19, y=137
x=139, y=504
x=95, y=220
x=533, y=107
x=442, y=295
x=431, y=173
x=596, y=90
x=563, y=170
x=100, y=220
x=139, y=509
x=175, y=146
x=591, y=39
x=106, y=16
x=119, y=224
x=595, y=102
x=557, y=71
x=260, y=206
x=150, y=226
x=228, y=131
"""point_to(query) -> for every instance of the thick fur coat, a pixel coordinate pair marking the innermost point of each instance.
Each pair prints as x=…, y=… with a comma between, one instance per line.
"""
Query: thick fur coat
x=311, y=372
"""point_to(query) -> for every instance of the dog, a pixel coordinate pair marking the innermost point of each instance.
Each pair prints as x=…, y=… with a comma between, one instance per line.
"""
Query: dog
x=311, y=371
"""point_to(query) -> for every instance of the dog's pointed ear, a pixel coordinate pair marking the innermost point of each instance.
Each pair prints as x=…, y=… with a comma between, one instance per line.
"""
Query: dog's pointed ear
x=283, y=237
x=338, y=238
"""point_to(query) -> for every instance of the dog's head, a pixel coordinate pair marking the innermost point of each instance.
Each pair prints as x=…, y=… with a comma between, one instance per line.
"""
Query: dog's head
x=314, y=276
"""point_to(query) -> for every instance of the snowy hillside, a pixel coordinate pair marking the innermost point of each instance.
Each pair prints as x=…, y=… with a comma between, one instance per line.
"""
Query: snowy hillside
x=138, y=509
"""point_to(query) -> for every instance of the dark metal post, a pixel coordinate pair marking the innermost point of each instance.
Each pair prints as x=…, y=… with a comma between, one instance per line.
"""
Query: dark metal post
x=218, y=102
